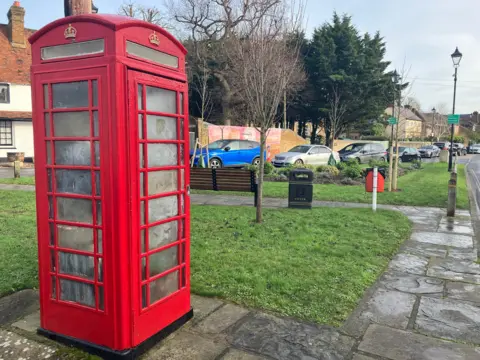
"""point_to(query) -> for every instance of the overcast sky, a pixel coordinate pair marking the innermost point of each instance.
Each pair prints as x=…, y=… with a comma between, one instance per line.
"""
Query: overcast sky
x=420, y=36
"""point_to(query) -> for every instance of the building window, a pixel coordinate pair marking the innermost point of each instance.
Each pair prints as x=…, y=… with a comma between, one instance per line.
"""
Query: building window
x=4, y=93
x=6, y=133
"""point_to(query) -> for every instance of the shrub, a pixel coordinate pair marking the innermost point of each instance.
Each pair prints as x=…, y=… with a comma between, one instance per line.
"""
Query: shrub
x=377, y=163
x=416, y=165
x=328, y=169
x=267, y=169
x=352, y=172
x=341, y=165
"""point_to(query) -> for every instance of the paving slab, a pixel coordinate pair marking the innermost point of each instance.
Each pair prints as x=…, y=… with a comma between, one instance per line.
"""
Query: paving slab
x=449, y=319
x=424, y=249
x=361, y=357
x=203, y=306
x=284, y=338
x=14, y=346
x=234, y=354
x=462, y=254
x=453, y=240
x=424, y=220
x=463, y=291
x=18, y=305
x=457, y=229
x=455, y=270
x=221, y=319
x=29, y=323
x=385, y=307
x=412, y=283
x=408, y=263
x=457, y=220
x=397, y=344
x=187, y=346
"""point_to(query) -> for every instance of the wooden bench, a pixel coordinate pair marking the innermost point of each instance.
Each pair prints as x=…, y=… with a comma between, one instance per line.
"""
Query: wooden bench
x=224, y=180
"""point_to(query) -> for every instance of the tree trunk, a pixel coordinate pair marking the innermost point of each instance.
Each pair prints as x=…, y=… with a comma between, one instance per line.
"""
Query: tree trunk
x=395, y=168
x=226, y=110
x=313, y=136
x=261, y=169
x=327, y=137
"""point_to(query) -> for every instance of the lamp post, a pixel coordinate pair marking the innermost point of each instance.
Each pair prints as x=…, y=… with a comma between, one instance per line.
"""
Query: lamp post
x=390, y=165
x=433, y=122
x=456, y=58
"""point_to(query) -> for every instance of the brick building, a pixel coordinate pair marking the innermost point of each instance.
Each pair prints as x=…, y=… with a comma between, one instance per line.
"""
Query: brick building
x=16, y=131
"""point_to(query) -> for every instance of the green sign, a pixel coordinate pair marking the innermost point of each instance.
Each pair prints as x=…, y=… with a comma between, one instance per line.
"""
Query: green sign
x=392, y=120
x=453, y=119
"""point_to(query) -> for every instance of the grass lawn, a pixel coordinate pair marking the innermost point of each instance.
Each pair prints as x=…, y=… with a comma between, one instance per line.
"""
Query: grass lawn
x=425, y=187
x=313, y=265
x=24, y=180
x=18, y=236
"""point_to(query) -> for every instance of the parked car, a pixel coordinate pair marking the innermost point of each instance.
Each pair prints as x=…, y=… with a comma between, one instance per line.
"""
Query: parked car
x=459, y=149
x=474, y=149
x=364, y=152
x=429, y=151
x=230, y=153
x=443, y=145
x=409, y=155
x=305, y=154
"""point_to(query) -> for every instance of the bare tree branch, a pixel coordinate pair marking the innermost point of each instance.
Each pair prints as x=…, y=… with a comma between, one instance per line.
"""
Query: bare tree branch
x=150, y=14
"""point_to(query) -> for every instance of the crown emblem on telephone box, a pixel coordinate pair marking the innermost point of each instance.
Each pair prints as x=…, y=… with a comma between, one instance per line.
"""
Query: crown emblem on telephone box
x=154, y=39
x=70, y=32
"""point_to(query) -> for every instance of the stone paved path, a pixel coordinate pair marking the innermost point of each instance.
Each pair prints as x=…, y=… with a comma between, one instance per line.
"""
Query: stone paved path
x=426, y=306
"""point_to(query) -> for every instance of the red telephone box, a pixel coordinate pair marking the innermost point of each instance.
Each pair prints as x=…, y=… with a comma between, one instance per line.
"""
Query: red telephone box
x=111, y=161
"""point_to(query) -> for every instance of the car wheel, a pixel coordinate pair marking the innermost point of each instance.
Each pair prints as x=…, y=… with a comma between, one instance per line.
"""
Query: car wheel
x=431, y=155
x=256, y=161
x=215, y=163
x=358, y=160
x=383, y=159
x=299, y=162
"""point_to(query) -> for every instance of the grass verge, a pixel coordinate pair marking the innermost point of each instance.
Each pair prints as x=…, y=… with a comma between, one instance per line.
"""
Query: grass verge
x=313, y=265
x=24, y=180
x=425, y=187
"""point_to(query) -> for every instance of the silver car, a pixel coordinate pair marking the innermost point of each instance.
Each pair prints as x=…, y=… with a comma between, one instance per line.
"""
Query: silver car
x=475, y=149
x=305, y=155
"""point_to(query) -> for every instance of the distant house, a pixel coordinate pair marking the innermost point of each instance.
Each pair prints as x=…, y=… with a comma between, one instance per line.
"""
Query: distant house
x=410, y=123
x=16, y=132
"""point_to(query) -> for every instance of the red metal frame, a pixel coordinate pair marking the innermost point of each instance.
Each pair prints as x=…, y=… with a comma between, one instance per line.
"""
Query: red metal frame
x=118, y=320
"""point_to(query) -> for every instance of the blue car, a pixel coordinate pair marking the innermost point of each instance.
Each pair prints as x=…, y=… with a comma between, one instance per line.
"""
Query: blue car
x=230, y=153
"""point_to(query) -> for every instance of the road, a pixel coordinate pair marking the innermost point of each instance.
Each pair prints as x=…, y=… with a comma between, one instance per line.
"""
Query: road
x=473, y=171
x=7, y=172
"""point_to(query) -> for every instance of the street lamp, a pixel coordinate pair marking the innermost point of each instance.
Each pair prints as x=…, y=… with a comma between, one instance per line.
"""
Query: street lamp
x=433, y=122
x=456, y=58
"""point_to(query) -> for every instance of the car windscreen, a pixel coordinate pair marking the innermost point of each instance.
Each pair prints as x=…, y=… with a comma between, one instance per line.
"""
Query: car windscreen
x=300, y=149
x=352, y=147
x=219, y=144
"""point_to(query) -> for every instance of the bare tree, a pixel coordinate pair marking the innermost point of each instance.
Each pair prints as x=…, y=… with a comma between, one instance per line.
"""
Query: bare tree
x=150, y=14
x=336, y=111
x=440, y=124
x=265, y=59
x=214, y=22
x=412, y=102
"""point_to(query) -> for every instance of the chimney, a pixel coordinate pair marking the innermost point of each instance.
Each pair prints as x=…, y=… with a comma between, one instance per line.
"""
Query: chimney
x=78, y=7
x=16, y=25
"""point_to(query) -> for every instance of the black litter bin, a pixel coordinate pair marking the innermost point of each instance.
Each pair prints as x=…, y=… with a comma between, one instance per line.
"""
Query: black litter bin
x=300, y=189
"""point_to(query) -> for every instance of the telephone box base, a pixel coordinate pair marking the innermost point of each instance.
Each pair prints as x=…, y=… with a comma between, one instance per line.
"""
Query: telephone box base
x=109, y=354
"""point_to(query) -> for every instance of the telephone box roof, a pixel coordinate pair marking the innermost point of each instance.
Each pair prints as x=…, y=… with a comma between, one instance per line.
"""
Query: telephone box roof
x=114, y=22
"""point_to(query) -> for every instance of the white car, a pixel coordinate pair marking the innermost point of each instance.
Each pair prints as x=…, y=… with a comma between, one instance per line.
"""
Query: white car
x=475, y=149
x=305, y=155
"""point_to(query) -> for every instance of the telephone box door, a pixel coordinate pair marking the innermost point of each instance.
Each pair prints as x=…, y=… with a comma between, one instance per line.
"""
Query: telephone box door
x=158, y=152
x=69, y=140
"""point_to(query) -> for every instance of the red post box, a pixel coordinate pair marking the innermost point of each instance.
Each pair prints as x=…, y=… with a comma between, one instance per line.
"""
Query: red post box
x=380, y=180
x=111, y=165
